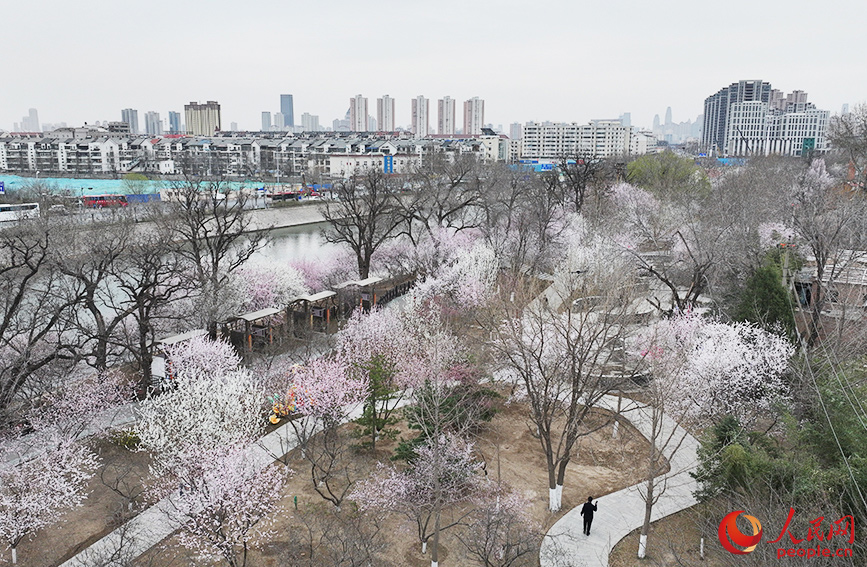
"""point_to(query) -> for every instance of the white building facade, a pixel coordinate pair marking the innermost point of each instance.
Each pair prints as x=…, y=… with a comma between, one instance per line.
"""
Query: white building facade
x=420, y=117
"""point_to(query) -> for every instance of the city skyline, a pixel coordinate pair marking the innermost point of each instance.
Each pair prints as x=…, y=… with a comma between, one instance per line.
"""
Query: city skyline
x=529, y=78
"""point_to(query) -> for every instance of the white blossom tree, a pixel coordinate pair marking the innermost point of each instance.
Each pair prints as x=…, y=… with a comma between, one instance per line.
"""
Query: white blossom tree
x=500, y=530
x=213, y=403
x=700, y=369
x=227, y=506
x=35, y=493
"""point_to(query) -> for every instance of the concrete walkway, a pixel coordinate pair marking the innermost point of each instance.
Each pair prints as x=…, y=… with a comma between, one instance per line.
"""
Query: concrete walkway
x=623, y=511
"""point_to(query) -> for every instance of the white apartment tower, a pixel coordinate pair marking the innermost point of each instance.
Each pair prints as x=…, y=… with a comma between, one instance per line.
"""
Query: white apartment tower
x=385, y=113
x=358, y=114
x=202, y=119
x=310, y=122
x=153, y=126
x=420, y=117
x=446, y=116
x=266, y=121
x=474, y=116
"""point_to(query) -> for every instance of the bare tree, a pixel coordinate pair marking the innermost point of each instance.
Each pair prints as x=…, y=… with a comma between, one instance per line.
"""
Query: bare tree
x=364, y=213
x=564, y=361
x=848, y=134
x=522, y=217
x=445, y=193
x=831, y=224
x=578, y=173
x=215, y=226
x=33, y=309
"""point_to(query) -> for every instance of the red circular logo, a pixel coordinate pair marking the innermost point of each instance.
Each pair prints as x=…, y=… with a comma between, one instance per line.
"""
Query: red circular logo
x=728, y=530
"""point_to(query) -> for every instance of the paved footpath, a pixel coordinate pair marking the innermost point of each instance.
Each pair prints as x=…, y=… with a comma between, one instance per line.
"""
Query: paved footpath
x=565, y=544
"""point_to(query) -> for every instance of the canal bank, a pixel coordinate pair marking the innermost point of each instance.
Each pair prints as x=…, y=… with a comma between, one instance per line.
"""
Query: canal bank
x=285, y=217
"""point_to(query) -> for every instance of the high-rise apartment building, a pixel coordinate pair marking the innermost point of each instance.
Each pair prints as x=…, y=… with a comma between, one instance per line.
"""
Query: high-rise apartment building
x=385, y=113
x=153, y=126
x=310, y=122
x=358, y=114
x=420, y=117
x=266, y=121
x=202, y=119
x=287, y=109
x=174, y=122
x=516, y=131
x=130, y=116
x=750, y=118
x=279, y=121
x=446, y=116
x=716, y=109
x=474, y=116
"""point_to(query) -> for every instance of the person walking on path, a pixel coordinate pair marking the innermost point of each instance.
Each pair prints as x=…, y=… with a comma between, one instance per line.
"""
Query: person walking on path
x=587, y=511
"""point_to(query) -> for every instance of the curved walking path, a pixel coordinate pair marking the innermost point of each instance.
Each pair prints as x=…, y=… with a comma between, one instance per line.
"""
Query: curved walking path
x=623, y=511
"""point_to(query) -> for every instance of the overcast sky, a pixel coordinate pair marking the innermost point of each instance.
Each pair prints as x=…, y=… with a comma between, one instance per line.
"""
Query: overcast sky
x=84, y=60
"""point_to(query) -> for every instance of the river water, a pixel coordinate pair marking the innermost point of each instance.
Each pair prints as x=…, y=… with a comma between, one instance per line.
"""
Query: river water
x=298, y=243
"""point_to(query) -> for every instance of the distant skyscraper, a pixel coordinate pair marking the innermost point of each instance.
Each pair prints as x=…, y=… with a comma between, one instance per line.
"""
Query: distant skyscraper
x=626, y=119
x=420, y=116
x=130, y=116
x=30, y=123
x=516, y=131
x=153, y=126
x=474, y=115
x=174, y=122
x=668, y=116
x=310, y=122
x=279, y=121
x=845, y=109
x=233, y=126
x=371, y=124
x=385, y=113
x=446, y=116
x=203, y=119
x=266, y=121
x=287, y=109
x=655, y=122
x=358, y=114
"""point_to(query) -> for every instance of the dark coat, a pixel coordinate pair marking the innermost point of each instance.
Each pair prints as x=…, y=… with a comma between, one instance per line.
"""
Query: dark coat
x=588, y=509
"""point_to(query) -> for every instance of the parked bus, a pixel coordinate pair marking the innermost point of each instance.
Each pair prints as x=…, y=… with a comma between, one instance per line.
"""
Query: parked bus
x=18, y=211
x=100, y=201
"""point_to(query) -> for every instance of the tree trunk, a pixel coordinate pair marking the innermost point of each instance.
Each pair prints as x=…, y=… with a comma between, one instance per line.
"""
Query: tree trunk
x=435, y=555
x=645, y=527
x=553, y=501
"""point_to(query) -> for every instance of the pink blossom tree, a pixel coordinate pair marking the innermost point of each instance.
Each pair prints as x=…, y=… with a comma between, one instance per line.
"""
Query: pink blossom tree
x=324, y=393
x=226, y=507
x=429, y=492
x=274, y=285
x=375, y=347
